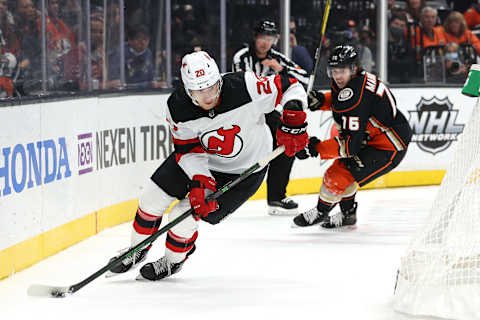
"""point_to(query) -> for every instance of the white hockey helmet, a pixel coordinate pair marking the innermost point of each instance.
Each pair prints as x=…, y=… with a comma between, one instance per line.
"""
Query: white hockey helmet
x=199, y=71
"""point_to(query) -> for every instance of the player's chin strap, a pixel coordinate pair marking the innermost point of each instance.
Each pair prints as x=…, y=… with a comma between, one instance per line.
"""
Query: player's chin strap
x=61, y=292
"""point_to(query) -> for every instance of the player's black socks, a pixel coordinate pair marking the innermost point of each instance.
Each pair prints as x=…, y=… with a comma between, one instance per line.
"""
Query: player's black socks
x=346, y=204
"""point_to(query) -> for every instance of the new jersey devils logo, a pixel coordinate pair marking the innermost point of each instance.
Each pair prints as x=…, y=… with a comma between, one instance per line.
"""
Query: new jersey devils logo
x=223, y=142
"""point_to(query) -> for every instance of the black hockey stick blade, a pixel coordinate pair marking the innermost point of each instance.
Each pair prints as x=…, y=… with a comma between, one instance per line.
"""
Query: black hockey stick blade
x=39, y=290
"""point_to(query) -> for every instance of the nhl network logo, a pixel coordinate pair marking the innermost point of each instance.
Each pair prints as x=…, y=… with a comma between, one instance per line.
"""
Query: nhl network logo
x=433, y=124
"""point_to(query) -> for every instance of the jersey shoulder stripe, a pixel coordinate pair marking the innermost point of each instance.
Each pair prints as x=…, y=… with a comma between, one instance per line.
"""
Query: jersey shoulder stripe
x=282, y=82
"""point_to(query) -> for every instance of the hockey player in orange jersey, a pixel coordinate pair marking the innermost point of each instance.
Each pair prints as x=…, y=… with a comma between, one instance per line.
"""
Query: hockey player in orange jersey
x=373, y=138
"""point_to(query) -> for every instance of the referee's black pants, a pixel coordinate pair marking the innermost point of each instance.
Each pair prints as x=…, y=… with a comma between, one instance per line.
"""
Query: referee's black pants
x=279, y=169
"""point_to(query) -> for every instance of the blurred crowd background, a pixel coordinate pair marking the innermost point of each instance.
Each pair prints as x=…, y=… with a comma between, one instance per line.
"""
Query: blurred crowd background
x=52, y=47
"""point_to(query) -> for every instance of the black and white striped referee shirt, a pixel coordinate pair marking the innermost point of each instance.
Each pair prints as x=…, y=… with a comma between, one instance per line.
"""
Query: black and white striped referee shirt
x=245, y=60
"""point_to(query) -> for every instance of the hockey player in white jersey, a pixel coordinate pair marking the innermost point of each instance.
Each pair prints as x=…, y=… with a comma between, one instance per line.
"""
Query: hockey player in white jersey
x=218, y=128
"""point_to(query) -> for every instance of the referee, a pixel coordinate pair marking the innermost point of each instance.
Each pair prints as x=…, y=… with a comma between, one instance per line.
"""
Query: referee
x=261, y=58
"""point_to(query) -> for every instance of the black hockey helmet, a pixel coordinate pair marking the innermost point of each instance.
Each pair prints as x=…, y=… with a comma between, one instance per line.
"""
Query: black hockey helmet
x=342, y=56
x=266, y=27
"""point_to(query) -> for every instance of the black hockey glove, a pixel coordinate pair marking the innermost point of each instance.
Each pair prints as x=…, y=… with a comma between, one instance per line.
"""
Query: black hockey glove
x=310, y=150
x=315, y=100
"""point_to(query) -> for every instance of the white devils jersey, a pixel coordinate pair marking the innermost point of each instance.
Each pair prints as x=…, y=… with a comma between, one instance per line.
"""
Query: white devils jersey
x=233, y=136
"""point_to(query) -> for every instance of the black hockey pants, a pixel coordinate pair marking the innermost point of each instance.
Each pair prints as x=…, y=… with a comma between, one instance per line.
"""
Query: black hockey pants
x=173, y=180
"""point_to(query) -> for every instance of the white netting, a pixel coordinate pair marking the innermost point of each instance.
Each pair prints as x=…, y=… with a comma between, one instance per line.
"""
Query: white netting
x=440, y=274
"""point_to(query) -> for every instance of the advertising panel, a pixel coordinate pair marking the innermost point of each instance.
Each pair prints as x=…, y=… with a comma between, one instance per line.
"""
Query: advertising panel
x=437, y=117
x=64, y=161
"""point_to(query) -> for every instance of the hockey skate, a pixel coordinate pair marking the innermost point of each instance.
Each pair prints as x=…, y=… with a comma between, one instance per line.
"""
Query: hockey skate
x=309, y=218
x=162, y=268
x=128, y=263
x=342, y=220
x=159, y=269
x=284, y=207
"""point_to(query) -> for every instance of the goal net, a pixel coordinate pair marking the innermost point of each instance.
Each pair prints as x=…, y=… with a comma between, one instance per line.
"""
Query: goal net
x=440, y=273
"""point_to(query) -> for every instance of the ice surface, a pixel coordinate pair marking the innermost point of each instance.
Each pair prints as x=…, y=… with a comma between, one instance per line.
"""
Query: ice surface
x=250, y=266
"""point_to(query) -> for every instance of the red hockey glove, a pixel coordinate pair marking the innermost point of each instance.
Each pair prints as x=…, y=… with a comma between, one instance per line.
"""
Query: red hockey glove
x=197, y=195
x=292, y=132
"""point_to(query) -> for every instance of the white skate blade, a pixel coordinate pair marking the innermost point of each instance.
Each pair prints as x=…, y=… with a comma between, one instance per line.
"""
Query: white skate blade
x=277, y=211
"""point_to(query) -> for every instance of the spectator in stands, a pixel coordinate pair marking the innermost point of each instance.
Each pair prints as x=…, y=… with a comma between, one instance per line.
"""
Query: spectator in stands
x=61, y=50
x=8, y=61
x=401, y=56
x=7, y=28
x=365, y=54
x=427, y=33
x=138, y=61
x=71, y=13
x=299, y=54
x=98, y=57
x=472, y=16
x=302, y=38
x=113, y=28
x=456, y=71
x=55, y=25
x=396, y=8
x=456, y=30
x=414, y=11
x=29, y=48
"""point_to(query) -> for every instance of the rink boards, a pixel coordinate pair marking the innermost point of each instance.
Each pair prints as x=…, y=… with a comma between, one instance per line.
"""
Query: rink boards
x=70, y=169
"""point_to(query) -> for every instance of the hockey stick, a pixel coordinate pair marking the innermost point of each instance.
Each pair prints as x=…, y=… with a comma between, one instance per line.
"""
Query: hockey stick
x=311, y=79
x=40, y=290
